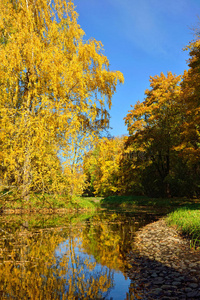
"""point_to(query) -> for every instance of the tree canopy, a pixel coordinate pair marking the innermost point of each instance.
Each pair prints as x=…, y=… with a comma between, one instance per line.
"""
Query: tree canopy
x=56, y=89
x=160, y=157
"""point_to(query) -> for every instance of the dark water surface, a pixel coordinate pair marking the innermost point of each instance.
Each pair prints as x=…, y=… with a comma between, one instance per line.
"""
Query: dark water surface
x=68, y=256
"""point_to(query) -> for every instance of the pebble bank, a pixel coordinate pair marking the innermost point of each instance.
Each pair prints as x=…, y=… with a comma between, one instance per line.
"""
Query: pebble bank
x=163, y=266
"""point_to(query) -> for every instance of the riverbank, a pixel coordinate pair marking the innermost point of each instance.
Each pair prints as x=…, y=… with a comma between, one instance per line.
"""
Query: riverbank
x=132, y=201
x=48, y=204
x=183, y=213
x=163, y=264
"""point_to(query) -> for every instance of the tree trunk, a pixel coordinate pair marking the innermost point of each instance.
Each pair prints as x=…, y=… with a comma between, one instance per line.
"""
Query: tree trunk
x=27, y=162
x=26, y=177
x=167, y=186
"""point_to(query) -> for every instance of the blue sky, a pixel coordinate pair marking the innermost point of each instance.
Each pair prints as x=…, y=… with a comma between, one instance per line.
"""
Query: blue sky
x=141, y=38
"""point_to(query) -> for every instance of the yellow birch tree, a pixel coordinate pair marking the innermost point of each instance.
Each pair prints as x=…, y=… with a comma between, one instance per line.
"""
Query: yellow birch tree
x=56, y=89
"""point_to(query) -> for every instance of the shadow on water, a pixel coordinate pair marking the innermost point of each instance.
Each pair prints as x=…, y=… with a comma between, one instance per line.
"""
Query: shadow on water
x=77, y=257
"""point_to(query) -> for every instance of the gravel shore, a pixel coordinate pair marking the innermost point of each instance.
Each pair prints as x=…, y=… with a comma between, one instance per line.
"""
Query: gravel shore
x=163, y=266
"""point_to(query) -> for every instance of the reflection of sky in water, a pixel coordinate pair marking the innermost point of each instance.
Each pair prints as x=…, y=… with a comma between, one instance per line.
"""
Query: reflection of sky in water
x=120, y=284
x=121, y=287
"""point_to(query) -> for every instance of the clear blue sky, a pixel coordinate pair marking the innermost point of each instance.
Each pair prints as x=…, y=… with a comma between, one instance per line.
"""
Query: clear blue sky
x=141, y=38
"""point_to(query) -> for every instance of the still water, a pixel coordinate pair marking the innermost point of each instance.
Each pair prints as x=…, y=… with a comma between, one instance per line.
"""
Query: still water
x=68, y=256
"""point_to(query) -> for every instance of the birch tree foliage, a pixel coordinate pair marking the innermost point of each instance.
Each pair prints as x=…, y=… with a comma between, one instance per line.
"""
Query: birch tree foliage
x=55, y=88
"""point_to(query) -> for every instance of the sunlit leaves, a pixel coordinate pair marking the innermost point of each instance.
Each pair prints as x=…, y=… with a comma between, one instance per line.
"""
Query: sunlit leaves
x=191, y=104
x=155, y=124
x=102, y=166
x=55, y=91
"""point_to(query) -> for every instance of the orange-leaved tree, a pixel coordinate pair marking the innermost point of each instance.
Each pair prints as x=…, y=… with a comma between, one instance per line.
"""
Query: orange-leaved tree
x=190, y=145
x=154, y=127
x=56, y=89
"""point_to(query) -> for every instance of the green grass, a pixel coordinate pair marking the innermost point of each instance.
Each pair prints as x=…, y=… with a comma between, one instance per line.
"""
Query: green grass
x=40, y=201
x=127, y=201
x=187, y=221
x=86, y=202
x=45, y=201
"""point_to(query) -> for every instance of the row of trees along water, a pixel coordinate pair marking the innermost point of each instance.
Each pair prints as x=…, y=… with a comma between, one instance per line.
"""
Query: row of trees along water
x=161, y=155
x=56, y=91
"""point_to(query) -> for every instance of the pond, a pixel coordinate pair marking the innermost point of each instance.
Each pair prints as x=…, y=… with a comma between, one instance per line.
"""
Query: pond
x=67, y=256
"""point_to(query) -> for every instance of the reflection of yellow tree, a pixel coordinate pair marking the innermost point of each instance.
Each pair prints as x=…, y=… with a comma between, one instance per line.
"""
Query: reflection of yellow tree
x=31, y=270
x=108, y=241
x=86, y=282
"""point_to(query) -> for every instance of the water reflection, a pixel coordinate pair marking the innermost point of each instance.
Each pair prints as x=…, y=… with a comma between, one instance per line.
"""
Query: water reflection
x=88, y=280
x=66, y=257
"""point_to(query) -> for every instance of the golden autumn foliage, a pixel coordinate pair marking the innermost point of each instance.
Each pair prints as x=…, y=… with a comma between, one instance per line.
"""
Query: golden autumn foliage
x=159, y=105
x=110, y=168
x=154, y=126
x=102, y=165
x=46, y=264
x=190, y=143
x=161, y=155
x=165, y=128
x=56, y=89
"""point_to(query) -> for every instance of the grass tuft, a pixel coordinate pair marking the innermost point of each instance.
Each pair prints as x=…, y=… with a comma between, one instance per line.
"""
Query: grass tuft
x=187, y=221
